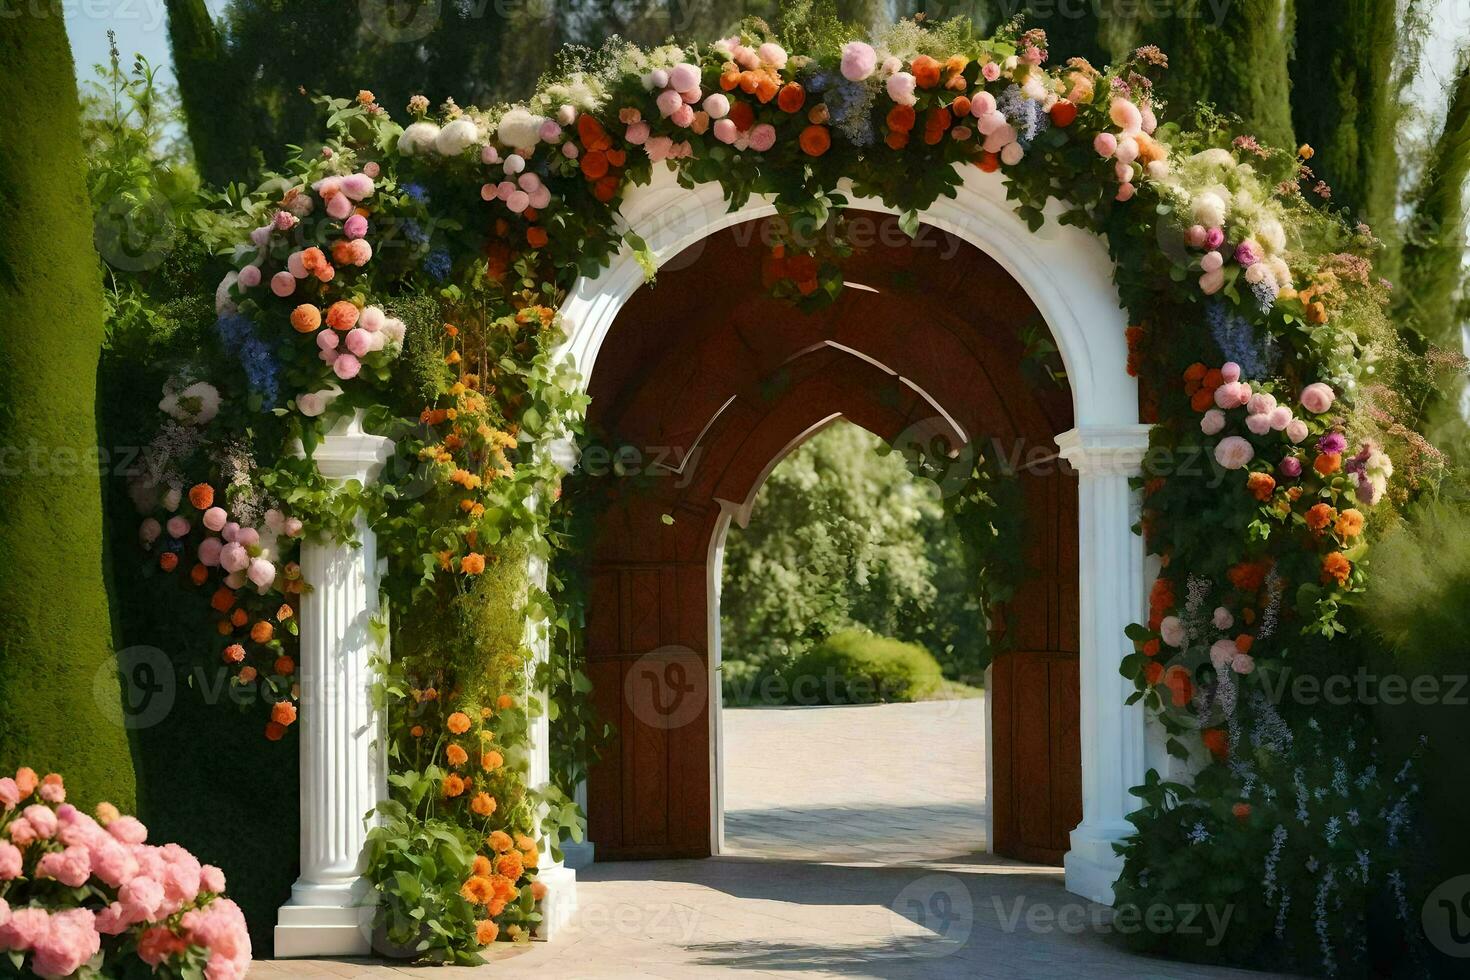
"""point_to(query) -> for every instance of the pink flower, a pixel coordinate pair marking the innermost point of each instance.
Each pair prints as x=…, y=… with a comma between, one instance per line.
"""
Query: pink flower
x=1289, y=467
x=283, y=284
x=858, y=61
x=717, y=105
x=725, y=131
x=1261, y=403
x=1248, y=252
x=900, y=86
x=637, y=133
x=285, y=220
x=21, y=831
x=1211, y=261
x=771, y=54
x=355, y=226
x=249, y=276
x=762, y=137
x=232, y=558
x=1317, y=398
x=293, y=526
x=1233, y=452
x=148, y=532
x=72, y=866
x=981, y=106
x=181, y=876
x=357, y=186
x=112, y=862
x=1280, y=417
x=9, y=792
x=372, y=169
x=220, y=928
x=1106, y=144
x=247, y=537
x=112, y=921
x=359, y=341
x=1222, y=652
x=215, y=519
x=1214, y=238
x=1232, y=394
x=24, y=928
x=1230, y=371
x=1171, y=630
x=1125, y=115
x=10, y=861
x=141, y=897
x=1195, y=236
x=262, y=573
x=177, y=526
x=211, y=879
x=1222, y=618
x=209, y=552
x=1212, y=422
x=42, y=820
x=668, y=100
x=346, y=367
x=684, y=76
x=1242, y=663
x=158, y=944
x=1296, y=431
x=359, y=252
x=128, y=830
x=1259, y=424
x=1126, y=190
x=339, y=206
x=70, y=941
x=1212, y=282
x=990, y=71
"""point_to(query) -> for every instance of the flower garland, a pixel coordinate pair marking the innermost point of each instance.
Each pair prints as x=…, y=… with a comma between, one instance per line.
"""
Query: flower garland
x=415, y=273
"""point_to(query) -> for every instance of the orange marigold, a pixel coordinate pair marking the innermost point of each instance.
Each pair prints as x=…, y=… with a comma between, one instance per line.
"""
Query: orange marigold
x=481, y=866
x=1261, y=485
x=456, y=755
x=477, y=890
x=504, y=701
x=485, y=932
x=1350, y=523
x=510, y=865
x=201, y=495
x=458, y=723
x=499, y=841
x=1336, y=567
x=342, y=315
x=306, y=318
x=472, y=563
x=1319, y=516
x=484, y=804
x=491, y=761
x=453, y=786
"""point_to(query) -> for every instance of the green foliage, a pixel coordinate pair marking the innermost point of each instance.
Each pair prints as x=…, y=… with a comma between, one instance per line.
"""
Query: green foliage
x=853, y=667
x=1419, y=592
x=56, y=665
x=204, y=85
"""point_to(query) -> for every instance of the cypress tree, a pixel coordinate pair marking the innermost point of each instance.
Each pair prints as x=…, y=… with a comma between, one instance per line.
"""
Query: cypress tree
x=1347, y=106
x=58, y=682
x=200, y=64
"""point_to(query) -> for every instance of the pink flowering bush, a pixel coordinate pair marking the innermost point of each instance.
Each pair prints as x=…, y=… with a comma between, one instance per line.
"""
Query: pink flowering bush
x=88, y=896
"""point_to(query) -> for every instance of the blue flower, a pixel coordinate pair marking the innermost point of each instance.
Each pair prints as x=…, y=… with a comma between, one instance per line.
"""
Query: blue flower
x=414, y=231
x=438, y=263
x=239, y=338
x=1236, y=338
x=850, y=105
x=416, y=193
x=1024, y=113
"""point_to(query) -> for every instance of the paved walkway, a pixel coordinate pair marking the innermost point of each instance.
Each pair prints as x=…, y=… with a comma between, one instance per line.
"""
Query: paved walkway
x=884, y=783
x=869, y=820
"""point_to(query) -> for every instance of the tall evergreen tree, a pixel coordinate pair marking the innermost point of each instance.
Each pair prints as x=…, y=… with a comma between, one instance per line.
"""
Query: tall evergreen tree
x=207, y=93
x=57, y=678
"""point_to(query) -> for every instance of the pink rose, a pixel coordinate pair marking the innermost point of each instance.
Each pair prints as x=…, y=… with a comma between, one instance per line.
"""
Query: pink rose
x=359, y=341
x=858, y=61
x=112, y=862
x=1242, y=663
x=71, y=940
x=355, y=226
x=234, y=558
x=177, y=526
x=42, y=820
x=1233, y=452
x=262, y=573
x=717, y=105
x=211, y=879
x=346, y=367
x=1259, y=424
x=1171, y=630
x=148, y=532
x=637, y=133
x=1280, y=417
x=215, y=519
x=128, y=830
x=10, y=861
x=1212, y=422
x=983, y=104
x=339, y=206
x=9, y=792
x=25, y=927
x=72, y=866
x=220, y=928
x=1195, y=236
x=209, y=552
x=357, y=186
x=1211, y=261
x=762, y=137
x=900, y=86
x=682, y=116
x=249, y=276
x=1261, y=403
x=141, y=897
x=21, y=831
x=113, y=921
x=1230, y=371
x=725, y=131
x=1232, y=394
x=1296, y=431
x=770, y=53
x=1222, y=618
x=1317, y=398
x=283, y=284
x=684, y=76
x=1222, y=652
x=1126, y=190
x=990, y=71
x=1212, y=282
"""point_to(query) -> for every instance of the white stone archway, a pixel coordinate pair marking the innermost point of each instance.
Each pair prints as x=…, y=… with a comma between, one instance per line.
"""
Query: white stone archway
x=1068, y=275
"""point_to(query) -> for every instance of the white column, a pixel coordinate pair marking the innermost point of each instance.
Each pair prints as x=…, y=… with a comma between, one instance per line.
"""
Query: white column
x=1111, y=570
x=343, y=762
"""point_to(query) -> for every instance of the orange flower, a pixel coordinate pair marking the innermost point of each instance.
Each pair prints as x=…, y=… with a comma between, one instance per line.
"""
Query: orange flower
x=742, y=115
x=484, y=804
x=458, y=723
x=453, y=786
x=274, y=731
x=239, y=618
x=284, y=666
x=538, y=890
x=233, y=654
x=1350, y=523
x=1180, y=684
x=1241, y=810
x=306, y=318
x=477, y=890
x=925, y=70
x=1335, y=566
x=481, y=866
x=456, y=755
x=417, y=731
x=1151, y=648
x=1215, y=740
x=504, y=701
x=510, y=865
x=961, y=106
x=1327, y=463
x=791, y=97
x=262, y=631
x=1153, y=672
x=486, y=931
x=198, y=574
x=901, y=118
x=505, y=888
x=342, y=315
x=815, y=140
x=472, y=563
x=284, y=613
x=168, y=561
x=283, y=713
x=1319, y=516
x=1248, y=576
x=1244, y=642
x=491, y=761
x=1260, y=485
x=499, y=841
x=201, y=495
x=536, y=237
x=247, y=674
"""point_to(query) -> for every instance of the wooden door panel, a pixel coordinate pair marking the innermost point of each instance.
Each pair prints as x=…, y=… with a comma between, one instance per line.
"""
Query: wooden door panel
x=1036, y=795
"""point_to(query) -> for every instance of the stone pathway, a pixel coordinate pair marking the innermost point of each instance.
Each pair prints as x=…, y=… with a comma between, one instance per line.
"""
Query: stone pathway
x=886, y=783
x=869, y=822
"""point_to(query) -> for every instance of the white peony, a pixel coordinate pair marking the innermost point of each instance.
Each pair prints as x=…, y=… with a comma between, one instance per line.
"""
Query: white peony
x=457, y=137
x=1209, y=209
x=519, y=128
x=1270, y=234
x=197, y=404
x=418, y=138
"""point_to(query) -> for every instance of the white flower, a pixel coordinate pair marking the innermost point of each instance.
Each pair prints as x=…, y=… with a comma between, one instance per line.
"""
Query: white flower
x=418, y=138
x=519, y=128
x=563, y=452
x=457, y=137
x=1209, y=209
x=197, y=404
x=393, y=329
x=1215, y=158
x=1271, y=234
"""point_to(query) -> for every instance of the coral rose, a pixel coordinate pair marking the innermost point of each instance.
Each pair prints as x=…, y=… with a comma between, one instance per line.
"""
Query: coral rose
x=925, y=70
x=815, y=140
x=283, y=713
x=791, y=97
x=1260, y=485
x=342, y=315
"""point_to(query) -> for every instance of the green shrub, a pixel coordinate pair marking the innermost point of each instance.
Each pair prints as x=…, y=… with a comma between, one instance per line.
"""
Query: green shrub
x=854, y=667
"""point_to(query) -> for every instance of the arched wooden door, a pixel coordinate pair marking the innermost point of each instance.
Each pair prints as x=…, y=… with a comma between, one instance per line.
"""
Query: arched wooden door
x=702, y=383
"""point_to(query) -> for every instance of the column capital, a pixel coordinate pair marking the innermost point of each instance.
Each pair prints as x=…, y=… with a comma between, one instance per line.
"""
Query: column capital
x=349, y=452
x=1105, y=450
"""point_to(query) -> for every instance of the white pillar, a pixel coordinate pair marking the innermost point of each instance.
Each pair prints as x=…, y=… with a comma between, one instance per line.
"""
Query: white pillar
x=343, y=761
x=1111, y=570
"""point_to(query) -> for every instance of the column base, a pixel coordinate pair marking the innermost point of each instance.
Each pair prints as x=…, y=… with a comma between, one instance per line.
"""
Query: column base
x=326, y=920
x=1091, y=865
x=560, y=903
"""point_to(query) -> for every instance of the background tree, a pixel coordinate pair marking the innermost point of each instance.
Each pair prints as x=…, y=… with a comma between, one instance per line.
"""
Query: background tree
x=56, y=668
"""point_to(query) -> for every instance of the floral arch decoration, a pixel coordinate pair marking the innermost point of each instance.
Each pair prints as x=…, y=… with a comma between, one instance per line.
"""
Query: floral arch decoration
x=405, y=280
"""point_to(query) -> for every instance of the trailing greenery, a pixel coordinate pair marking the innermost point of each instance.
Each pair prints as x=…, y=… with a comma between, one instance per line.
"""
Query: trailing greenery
x=57, y=672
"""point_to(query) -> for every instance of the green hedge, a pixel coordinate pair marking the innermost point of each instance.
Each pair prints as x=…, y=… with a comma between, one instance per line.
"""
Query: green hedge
x=853, y=667
x=56, y=678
